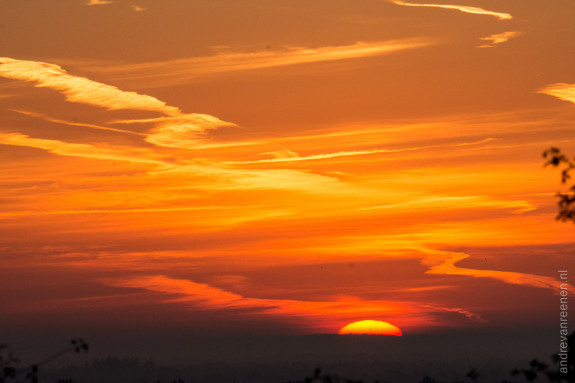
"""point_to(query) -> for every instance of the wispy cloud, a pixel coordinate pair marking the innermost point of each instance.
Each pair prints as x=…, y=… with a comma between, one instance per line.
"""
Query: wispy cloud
x=498, y=38
x=80, y=89
x=461, y=8
x=287, y=155
x=281, y=157
x=173, y=72
x=328, y=313
x=99, y=2
x=74, y=123
x=451, y=202
x=128, y=154
x=184, y=131
x=562, y=91
x=444, y=262
x=28, y=213
x=174, y=129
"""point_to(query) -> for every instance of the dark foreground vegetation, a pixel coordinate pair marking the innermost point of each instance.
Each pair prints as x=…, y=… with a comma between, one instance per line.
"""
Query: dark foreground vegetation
x=559, y=368
x=566, y=200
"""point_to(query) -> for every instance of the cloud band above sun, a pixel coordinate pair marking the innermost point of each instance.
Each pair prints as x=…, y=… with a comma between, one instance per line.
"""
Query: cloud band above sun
x=325, y=314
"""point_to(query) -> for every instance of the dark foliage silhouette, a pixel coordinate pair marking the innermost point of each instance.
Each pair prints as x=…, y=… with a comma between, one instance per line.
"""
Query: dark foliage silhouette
x=318, y=377
x=536, y=371
x=11, y=370
x=428, y=379
x=566, y=203
x=535, y=368
x=473, y=375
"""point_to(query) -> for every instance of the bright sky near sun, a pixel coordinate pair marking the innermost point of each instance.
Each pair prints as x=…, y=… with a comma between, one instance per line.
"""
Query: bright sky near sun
x=294, y=164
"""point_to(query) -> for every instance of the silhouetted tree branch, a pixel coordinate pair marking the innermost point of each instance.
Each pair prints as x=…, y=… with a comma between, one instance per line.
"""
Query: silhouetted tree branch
x=566, y=202
x=10, y=370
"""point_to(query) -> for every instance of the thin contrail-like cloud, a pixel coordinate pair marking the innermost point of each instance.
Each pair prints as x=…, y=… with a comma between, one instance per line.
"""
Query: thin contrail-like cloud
x=446, y=202
x=27, y=213
x=461, y=8
x=98, y=2
x=74, y=123
x=290, y=156
x=175, y=72
x=323, y=156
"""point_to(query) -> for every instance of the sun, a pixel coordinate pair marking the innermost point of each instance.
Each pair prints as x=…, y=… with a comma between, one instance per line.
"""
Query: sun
x=370, y=327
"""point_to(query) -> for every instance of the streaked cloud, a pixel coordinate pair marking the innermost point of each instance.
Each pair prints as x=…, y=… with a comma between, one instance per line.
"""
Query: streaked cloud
x=184, y=131
x=11, y=214
x=444, y=262
x=461, y=8
x=281, y=157
x=286, y=155
x=80, y=89
x=99, y=2
x=237, y=179
x=562, y=91
x=177, y=72
x=128, y=154
x=327, y=313
x=451, y=202
x=74, y=123
x=498, y=38
x=174, y=129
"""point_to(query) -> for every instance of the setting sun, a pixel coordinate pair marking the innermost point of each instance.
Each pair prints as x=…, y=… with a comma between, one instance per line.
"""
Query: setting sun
x=370, y=327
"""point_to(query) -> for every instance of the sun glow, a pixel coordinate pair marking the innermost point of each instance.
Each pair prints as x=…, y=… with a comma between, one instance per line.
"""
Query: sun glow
x=370, y=327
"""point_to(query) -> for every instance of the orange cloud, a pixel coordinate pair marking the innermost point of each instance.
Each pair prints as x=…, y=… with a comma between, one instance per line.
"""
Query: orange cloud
x=223, y=178
x=184, y=131
x=452, y=202
x=498, y=38
x=80, y=89
x=174, y=129
x=74, y=123
x=203, y=296
x=127, y=154
x=99, y=2
x=280, y=157
x=105, y=211
x=461, y=8
x=562, y=91
x=443, y=262
x=287, y=155
x=176, y=72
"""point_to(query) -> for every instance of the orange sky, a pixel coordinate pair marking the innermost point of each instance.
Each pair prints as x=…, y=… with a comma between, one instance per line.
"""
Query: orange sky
x=299, y=163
